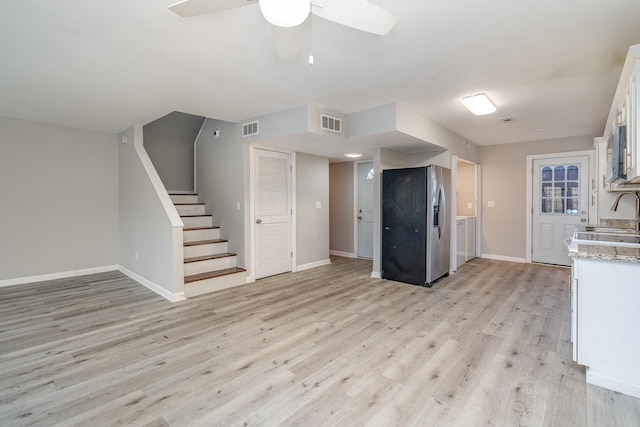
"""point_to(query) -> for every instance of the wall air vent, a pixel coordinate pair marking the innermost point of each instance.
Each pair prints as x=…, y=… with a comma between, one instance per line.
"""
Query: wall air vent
x=249, y=129
x=332, y=124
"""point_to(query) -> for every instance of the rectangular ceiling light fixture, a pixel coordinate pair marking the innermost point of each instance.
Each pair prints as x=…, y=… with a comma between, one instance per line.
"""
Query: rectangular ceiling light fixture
x=479, y=104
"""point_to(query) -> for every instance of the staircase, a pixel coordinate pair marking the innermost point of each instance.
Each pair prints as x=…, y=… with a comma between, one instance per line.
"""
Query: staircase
x=208, y=266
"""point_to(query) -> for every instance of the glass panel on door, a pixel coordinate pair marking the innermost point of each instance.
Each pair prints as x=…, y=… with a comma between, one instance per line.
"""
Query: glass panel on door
x=560, y=187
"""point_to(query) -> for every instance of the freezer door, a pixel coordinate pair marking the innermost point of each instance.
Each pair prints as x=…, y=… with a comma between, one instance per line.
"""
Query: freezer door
x=404, y=210
x=438, y=225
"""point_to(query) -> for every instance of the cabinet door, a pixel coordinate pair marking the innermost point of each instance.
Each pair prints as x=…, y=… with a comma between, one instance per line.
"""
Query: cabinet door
x=471, y=238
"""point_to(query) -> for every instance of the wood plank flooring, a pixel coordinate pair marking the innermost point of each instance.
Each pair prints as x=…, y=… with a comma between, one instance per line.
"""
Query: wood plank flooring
x=331, y=346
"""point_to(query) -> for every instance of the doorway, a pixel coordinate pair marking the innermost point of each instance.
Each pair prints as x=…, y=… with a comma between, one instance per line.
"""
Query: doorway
x=559, y=202
x=364, y=210
x=272, y=215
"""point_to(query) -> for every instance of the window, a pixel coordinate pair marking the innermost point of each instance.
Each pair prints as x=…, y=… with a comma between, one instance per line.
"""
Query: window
x=369, y=175
x=560, y=189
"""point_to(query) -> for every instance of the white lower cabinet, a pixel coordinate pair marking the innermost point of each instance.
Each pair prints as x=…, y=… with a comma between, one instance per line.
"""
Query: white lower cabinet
x=605, y=304
x=465, y=239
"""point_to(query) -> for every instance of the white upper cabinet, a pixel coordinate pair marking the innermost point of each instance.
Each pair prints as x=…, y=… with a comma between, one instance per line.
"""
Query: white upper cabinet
x=622, y=128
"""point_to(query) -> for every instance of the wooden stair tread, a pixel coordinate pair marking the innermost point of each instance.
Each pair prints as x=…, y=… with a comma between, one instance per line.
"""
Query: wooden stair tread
x=192, y=216
x=212, y=274
x=182, y=194
x=208, y=257
x=188, y=204
x=204, y=242
x=200, y=228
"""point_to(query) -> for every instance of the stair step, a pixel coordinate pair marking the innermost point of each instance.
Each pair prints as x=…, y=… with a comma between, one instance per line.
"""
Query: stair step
x=183, y=198
x=192, y=228
x=197, y=221
x=185, y=209
x=205, y=263
x=212, y=274
x=208, y=257
x=205, y=242
x=200, y=234
x=204, y=247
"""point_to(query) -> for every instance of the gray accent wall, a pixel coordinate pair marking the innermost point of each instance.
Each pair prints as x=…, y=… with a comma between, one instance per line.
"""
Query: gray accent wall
x=59, y=206
x=150, y=228
x=312, y=222
x=466, y=188
x=341, y=209
x=169, y=143
x=220, y=181
x=504, y=179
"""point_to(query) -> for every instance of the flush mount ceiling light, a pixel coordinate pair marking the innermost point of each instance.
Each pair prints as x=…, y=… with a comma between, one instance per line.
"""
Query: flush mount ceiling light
x=353, y=155
x=479, y=104
x=285, y=13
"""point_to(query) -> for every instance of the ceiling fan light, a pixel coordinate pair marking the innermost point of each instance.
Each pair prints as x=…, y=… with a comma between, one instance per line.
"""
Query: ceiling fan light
x=285, y=13
x=479, y=104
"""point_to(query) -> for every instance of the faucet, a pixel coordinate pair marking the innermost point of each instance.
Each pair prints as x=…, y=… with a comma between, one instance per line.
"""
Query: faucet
x=615, y=206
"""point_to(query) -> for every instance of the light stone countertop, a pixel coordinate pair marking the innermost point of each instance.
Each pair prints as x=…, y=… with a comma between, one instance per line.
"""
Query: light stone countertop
x=607, y=253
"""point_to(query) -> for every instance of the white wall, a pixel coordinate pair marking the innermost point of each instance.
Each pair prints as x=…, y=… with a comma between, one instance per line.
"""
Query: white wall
x=466, y=189
x=312, y=222
x=220, y=181
x=169, y=143
x=504, y=169
x=150, y=228
x=59, y=206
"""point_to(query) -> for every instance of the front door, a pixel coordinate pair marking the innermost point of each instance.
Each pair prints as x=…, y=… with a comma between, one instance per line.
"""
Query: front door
x=272, y=213
x=560, y=202
x=365, y=210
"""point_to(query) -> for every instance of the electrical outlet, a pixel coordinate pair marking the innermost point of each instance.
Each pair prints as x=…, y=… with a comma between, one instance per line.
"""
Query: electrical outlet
x=318, y=204
x=491, y=204
x=469, y=205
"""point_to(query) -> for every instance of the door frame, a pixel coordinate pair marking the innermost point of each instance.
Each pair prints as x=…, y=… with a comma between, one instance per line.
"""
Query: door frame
x=529, y=195
x=454, y=205
x=356, y=194
x=250, y=239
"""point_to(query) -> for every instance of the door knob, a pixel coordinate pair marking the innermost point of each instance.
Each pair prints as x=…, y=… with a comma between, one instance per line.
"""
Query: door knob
x=258, y=221
x=359, y=217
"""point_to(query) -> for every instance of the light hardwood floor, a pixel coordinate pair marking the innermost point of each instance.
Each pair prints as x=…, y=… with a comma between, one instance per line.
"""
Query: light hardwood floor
x=329, y=346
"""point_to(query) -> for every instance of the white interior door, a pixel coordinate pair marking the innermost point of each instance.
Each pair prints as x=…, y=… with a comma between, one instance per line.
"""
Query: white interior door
x=560, y=202
x=272, y=213
x=365, y=210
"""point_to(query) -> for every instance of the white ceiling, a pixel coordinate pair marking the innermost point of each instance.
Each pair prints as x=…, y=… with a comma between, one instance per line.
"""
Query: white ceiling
x=551, y=65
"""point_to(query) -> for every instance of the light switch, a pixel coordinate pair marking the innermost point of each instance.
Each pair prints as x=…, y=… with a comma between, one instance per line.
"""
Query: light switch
x=491, y=204
x=469, y=206
x=238, y=205
x=318, y=204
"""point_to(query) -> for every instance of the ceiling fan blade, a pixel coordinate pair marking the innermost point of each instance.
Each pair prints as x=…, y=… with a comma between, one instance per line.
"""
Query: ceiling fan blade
x=288, y=41
x=187, y=8
x=358, y=14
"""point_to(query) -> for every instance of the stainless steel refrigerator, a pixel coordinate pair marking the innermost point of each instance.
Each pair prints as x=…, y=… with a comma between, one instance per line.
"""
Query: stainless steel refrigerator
x=416, y=224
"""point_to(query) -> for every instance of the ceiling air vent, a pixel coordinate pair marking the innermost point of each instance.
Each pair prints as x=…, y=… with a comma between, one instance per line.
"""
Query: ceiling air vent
x=249, y=129
x=332, y=124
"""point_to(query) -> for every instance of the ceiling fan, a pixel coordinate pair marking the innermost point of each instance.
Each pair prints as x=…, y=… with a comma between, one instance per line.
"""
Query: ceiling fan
x=287, y=16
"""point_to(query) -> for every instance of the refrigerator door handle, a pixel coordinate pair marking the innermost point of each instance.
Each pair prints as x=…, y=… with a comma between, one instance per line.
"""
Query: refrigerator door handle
x=442, y=211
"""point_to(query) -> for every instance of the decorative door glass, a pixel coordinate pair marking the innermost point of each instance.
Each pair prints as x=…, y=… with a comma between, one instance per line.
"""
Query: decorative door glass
x=560, y=189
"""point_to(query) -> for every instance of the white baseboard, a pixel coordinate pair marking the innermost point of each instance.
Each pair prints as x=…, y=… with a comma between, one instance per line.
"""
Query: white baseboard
x=152, y=286
x=376, y=275
x=313, y=265
x=55, y=276
x=342, y=254
x=504, y=258
x=612, y=384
